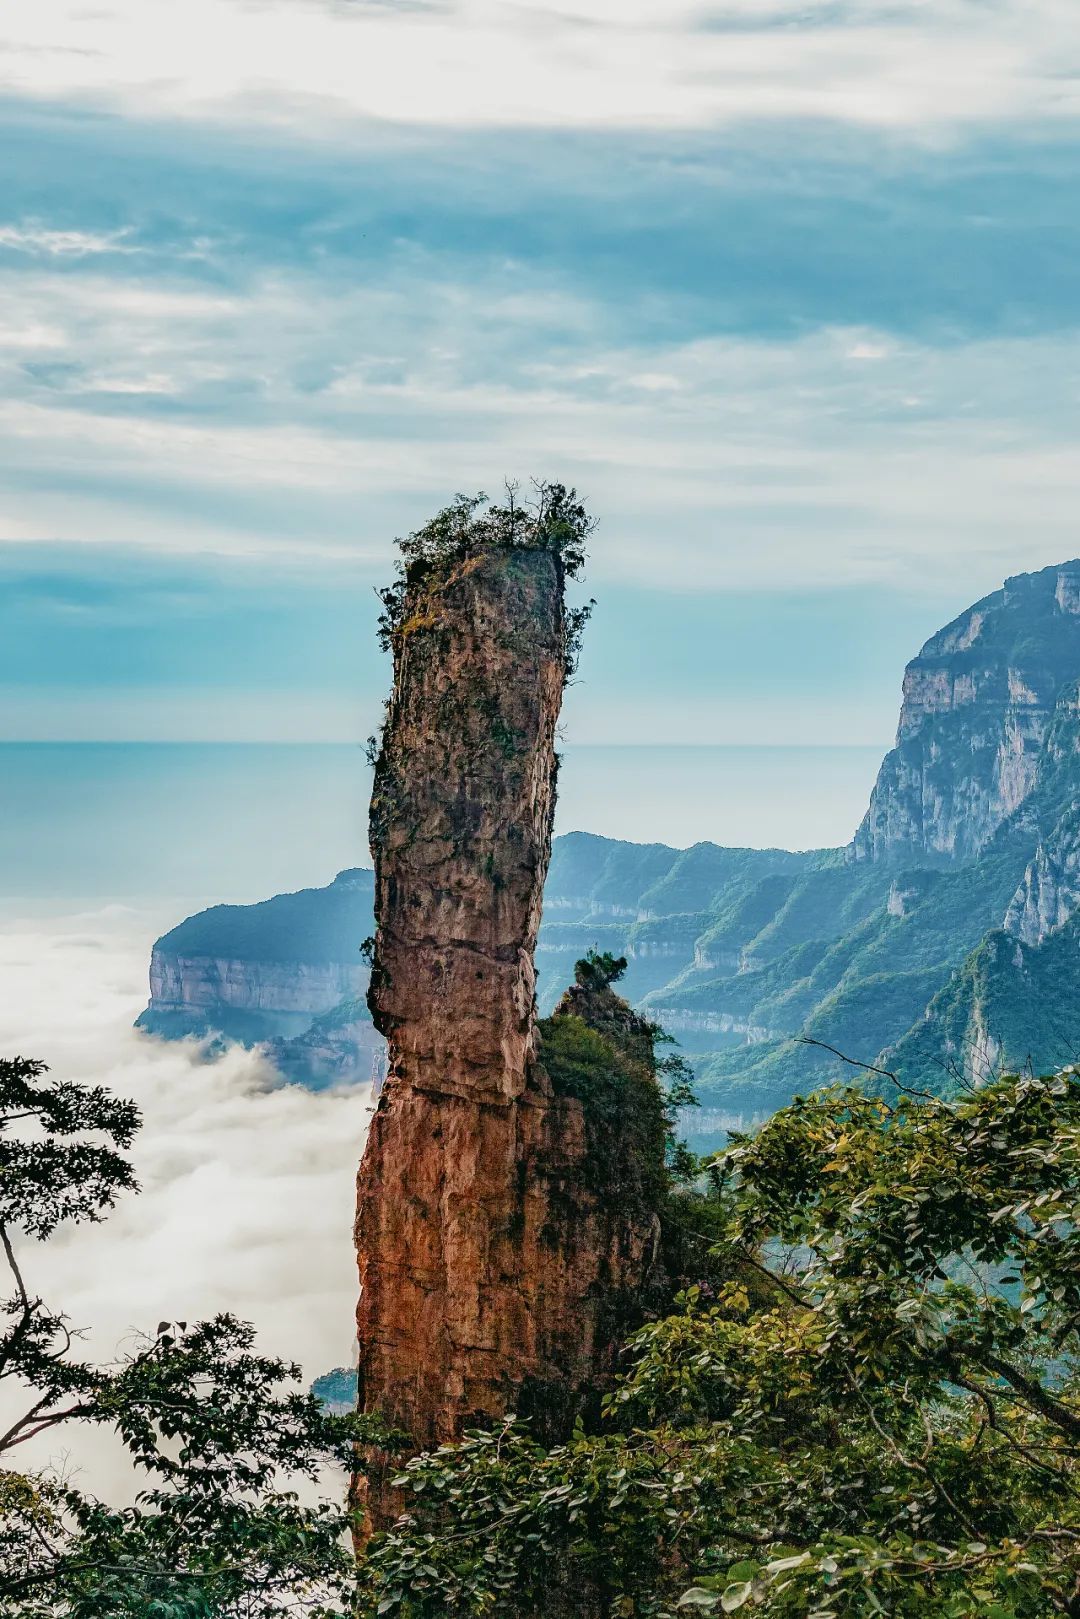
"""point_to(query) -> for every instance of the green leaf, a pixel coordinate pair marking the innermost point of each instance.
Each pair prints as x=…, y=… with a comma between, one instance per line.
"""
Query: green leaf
x=744, y=1570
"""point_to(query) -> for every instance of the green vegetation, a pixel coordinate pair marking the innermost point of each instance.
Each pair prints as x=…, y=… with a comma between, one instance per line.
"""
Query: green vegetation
x=1010, y=1006
x=890, y=948
x=780, y=945
x=862, y=985
x=867, y=1404
x=860, y=1397
x=336, y=1390
x=597, y=1051
x=784, y=945
x=314, y=925
x=552, y=519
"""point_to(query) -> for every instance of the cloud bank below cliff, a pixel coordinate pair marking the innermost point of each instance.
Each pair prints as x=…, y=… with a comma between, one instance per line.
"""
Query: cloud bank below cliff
x=247, y=1186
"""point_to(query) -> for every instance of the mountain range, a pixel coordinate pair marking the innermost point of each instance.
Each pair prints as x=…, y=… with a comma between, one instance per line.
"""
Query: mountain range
x=942, y=943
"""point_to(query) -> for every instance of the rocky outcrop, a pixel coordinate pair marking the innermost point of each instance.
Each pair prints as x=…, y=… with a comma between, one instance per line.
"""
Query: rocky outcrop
x=194, y=985
x=666, y=938
x=340, y=1047
x=488, y=1255
x=1049, y=893
x=675, y=1020
x=258, y=972
x=978, y=703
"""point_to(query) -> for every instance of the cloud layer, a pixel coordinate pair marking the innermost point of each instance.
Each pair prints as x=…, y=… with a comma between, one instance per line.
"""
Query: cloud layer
x=246, y=1200
x=788, y=291
x=323, y=66
x=816, y=359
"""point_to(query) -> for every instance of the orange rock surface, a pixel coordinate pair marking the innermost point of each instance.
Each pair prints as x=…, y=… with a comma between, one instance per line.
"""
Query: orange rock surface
x=488, y=1260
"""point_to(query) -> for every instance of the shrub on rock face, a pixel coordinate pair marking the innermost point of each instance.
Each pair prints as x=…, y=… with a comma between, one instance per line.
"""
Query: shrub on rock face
x=552, y=519
x=599, y=970
x=880, y=1416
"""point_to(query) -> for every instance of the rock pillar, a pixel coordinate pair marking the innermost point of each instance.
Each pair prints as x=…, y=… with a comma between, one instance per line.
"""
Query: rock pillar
x=482, y=1267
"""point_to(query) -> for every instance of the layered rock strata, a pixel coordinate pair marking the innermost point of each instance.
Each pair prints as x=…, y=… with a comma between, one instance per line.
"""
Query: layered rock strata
x=487, y=1258
x=196, y=985
x=978, y=703
x=259, y=972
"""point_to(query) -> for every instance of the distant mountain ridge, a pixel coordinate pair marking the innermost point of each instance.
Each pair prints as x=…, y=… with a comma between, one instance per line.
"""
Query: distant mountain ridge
x=940, y=942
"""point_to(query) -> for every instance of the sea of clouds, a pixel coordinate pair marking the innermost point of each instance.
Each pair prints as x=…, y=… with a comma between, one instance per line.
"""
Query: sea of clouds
x=246, y=1184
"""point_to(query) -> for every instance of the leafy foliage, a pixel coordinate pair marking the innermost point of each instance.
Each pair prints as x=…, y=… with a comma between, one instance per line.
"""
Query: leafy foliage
x=886, y=1421
x=599, y=969
x=866, y=1404
x=218, y=1433
x=52, y=1176
x=597, y=1050
x=552, y=520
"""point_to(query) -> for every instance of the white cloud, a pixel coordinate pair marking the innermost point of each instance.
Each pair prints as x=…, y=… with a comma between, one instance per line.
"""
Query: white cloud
x=31, y=337
x=867, y=351
x=33, y=237
x=247, y=1190
x=597, y=63
x=287, y=421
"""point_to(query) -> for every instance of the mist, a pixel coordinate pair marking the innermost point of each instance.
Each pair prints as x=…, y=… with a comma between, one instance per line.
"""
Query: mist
x=246, y=1194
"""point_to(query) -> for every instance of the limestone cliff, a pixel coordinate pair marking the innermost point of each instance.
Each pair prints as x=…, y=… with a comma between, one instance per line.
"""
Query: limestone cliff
x=1049, y=892
x=488, y=1257
x=978, y=703
x=260, y=972
x=341, y=1047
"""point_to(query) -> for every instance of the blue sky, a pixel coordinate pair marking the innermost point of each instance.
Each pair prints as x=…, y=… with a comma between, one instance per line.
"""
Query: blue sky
x=789, y=292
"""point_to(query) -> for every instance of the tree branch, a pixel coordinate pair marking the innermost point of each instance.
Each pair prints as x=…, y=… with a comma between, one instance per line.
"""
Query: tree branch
x=13, y=1265
x=868, y=1068
x=16, y=1436
x=1036, y=1396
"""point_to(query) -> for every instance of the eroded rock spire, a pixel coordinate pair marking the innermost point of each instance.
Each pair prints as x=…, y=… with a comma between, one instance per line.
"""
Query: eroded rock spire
x=486, y=1259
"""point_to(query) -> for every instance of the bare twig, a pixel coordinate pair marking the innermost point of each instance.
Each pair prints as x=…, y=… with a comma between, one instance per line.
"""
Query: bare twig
x=867, y=1067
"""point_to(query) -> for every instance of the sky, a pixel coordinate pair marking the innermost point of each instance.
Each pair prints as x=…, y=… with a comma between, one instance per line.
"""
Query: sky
x=788, y=291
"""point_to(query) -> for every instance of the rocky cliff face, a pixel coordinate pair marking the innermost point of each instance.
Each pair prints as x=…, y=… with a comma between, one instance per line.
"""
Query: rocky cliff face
x=487, y=1260
x=339, y=1047
x=259, y=972
x=195, y=984
x=1049, y=892
x=978, y=703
